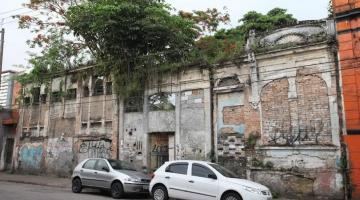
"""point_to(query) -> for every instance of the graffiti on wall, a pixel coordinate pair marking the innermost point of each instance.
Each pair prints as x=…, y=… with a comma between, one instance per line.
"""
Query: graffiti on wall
x=31, y=156
x=308, y=134
x=95, y=149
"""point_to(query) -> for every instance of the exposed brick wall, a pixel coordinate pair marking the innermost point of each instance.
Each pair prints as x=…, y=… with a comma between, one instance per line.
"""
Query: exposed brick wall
x=345, y=5
x=301, y=120
x=233, y=115
x=314, y=111
x=275, y=109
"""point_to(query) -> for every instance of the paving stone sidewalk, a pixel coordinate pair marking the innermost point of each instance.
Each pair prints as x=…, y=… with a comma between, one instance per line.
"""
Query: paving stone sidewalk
x=36, y=180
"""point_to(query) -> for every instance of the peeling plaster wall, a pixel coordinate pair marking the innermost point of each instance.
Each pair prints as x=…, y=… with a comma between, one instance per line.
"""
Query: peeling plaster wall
x=300, y=172
x=61, y=134
x=133, y=141
x=192, y=126
x=161, y=121
x=60, y=156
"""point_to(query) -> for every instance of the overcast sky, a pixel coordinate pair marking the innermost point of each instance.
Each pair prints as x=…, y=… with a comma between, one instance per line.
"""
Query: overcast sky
x=15, y=52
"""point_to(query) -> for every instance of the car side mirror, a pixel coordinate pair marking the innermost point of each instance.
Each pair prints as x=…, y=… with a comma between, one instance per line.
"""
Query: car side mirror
x=105, y=169
x=212, y=176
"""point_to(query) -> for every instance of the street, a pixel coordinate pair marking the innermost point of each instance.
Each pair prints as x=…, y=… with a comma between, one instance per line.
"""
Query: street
x=18, y=191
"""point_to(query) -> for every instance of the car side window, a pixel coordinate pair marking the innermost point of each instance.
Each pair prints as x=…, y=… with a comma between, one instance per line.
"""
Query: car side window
x=201, y=171
x=177, y=168
x=90, y=164
x=101, y=164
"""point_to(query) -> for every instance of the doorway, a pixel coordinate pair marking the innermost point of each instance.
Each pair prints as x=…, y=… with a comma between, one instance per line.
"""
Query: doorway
x=162, y=147
x=9, y=152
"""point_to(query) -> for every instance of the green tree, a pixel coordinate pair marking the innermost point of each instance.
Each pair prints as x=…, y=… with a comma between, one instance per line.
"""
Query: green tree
x=133, y=39
x=229, y=42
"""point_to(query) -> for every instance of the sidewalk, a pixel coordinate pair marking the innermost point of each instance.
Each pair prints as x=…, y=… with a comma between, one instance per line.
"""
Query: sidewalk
x=36, y=180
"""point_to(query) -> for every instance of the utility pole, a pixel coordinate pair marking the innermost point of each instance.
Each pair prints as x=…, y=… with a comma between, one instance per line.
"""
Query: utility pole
x=1, y=63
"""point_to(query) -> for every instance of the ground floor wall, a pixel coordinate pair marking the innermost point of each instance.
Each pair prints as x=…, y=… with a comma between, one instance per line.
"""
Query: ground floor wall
x=59, y=156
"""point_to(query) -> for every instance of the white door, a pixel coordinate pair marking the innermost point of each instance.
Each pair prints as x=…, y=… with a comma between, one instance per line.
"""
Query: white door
x=203, y=183
x=176, y=176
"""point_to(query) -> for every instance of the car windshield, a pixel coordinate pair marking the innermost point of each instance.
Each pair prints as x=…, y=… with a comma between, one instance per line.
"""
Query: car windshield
x=223, y=171
x=121, y=165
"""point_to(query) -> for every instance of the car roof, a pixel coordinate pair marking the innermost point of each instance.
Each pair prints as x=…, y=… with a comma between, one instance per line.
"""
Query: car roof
x=190, y=161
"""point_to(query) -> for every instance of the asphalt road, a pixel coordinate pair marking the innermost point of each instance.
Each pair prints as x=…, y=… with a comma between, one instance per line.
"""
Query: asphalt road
x=17, y=191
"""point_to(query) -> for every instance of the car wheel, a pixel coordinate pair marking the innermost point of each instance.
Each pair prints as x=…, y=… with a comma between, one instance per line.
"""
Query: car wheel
x=231, y=196
x=76, y=185
x=160, y=193
x=117, y=190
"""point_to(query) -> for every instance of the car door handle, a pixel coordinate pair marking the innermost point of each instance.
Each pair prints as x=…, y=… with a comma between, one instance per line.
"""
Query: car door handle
x=81, y=170
x=191, y=181
x=95, y=172
x=167, y=177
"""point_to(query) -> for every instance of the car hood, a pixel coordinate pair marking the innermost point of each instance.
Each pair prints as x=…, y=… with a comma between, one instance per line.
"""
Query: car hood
x=134, y=174
x=246, y=183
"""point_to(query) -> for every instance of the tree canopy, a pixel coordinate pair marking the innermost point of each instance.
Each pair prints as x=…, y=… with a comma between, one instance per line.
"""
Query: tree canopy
x=135, y=40
x=132, y=39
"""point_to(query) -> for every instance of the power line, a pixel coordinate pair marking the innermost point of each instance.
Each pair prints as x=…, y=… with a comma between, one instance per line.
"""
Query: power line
x=10, y=11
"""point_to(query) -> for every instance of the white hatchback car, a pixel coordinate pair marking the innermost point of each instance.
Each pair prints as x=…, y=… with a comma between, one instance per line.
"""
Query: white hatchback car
x=198, y=180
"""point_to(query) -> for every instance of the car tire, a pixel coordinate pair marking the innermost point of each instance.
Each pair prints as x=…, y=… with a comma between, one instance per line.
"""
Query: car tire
x=76, y=186
x=160, y=193
x=231, y=196
x=117, y=190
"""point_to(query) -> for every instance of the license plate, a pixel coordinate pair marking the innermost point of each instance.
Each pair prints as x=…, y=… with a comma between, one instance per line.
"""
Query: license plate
x=145, y=187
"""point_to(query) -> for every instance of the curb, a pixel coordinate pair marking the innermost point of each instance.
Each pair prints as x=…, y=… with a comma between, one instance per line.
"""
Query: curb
x=33, y=183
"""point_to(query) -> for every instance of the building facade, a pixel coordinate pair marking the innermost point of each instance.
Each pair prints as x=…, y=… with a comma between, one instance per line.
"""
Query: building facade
x=9, y=117
x=270, y=115
x=347, y=14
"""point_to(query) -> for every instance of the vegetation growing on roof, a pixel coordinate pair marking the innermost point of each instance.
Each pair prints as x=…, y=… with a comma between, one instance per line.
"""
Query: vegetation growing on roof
x=133, y=40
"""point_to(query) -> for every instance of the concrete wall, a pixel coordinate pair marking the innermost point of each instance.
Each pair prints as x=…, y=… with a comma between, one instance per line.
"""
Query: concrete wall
x=61, y=134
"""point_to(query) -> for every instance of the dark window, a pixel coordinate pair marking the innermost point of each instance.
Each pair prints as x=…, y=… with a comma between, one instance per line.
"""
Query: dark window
x=27, y=101
x=36, y=95
x=86, y=91
x=121, y=165
x=55, y=97
x=98, y=87
x=71, y=94
x=90, y=164
x=178, y=168
x=108, y=88
x=43, y=98
x=200, y=171
x=353, y=132
x=101, y=164
x=134, y=103
x=223, y=171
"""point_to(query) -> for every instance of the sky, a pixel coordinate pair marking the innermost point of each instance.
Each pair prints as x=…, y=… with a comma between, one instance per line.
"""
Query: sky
x=16, y=50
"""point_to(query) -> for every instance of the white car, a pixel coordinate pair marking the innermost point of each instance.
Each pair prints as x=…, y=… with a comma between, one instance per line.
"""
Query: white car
x=198, y=180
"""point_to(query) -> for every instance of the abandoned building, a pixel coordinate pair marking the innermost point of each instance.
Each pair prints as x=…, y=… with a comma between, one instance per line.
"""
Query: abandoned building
x=271, y=115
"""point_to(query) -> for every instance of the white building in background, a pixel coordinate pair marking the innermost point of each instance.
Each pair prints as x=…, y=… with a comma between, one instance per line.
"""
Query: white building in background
x=6, y=88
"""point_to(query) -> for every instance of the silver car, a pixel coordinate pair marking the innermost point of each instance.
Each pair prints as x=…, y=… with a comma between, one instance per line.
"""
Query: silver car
x=117, y=176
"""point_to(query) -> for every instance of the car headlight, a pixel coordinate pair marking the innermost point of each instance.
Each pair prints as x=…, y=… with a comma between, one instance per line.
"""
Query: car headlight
x=253, y=190
x=131, y=179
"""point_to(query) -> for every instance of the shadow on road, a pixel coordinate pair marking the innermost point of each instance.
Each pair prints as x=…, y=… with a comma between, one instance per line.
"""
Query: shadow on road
x=107, y=194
